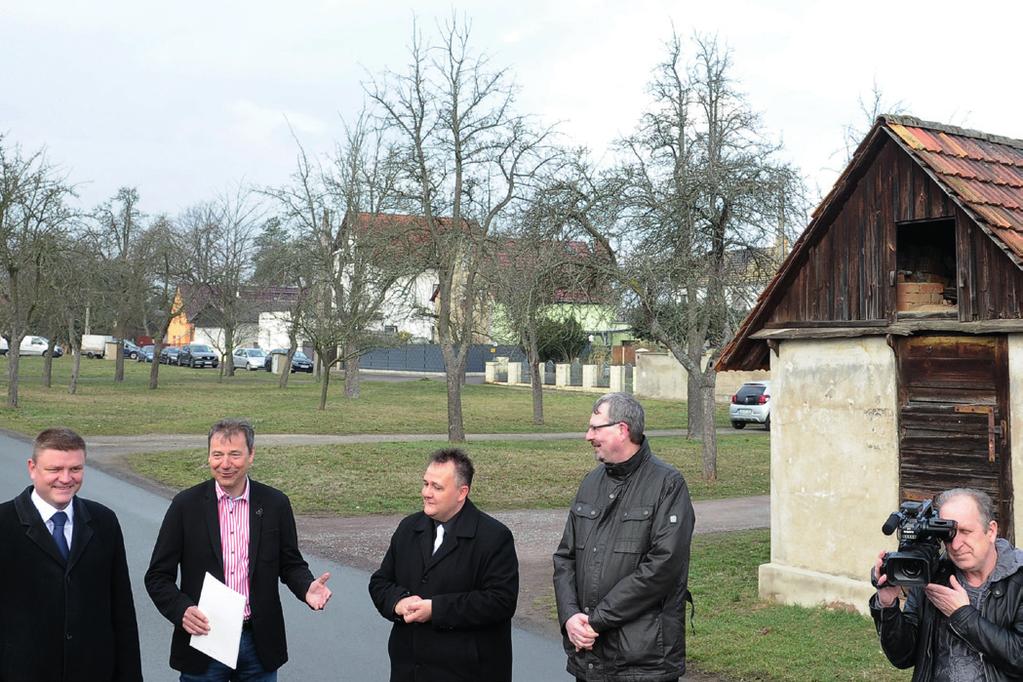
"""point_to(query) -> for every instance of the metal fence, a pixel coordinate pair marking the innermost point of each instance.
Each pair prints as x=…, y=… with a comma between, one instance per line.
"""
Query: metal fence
x=427, y=357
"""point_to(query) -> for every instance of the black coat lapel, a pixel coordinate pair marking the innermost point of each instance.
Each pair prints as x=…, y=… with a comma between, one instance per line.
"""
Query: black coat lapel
x=81, y=532
x=255, y=523
x=213, y=526
x=35, y=529
x=424, y=528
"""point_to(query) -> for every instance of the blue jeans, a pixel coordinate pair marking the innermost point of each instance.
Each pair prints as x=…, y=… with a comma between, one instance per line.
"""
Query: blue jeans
x=249, y=668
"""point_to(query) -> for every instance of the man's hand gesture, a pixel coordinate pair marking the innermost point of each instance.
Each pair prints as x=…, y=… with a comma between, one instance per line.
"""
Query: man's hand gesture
x=318, y=594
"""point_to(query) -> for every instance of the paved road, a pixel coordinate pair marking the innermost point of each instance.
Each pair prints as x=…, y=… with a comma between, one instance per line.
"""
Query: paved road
x=347, y=642
x=107, y=446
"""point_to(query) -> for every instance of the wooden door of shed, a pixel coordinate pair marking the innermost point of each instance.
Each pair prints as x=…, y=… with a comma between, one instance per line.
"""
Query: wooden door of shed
x=953, y=419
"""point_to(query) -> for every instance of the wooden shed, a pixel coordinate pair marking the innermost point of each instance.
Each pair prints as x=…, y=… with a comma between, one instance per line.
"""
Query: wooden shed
x=894, y=336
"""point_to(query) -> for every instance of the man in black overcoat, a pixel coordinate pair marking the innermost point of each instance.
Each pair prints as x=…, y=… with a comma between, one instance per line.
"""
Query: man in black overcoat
x=449, y=582
x=66, y=609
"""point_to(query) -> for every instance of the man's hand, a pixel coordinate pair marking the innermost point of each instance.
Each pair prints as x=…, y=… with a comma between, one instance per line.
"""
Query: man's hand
x=886, y=596
x=419, y=611
x=401, y=608
x=948, y=599
x=318, y=594
x=580, y=634
x=194, y=622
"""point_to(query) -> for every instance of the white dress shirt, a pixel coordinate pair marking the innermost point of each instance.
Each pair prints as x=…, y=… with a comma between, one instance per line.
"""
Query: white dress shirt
x=47, y=510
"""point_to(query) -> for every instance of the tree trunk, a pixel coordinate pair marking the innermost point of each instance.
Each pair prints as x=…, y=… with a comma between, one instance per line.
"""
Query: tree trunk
x=154, y=371
x=694, y=398
x=535, y=373
x=323, y=387
x=119, y=358
x=76, y=366
x=14, y=355
x=48, y=363
x=710, y=434
x=456, y=427
x=228, y=351
x=282, y=380
x=352, y=377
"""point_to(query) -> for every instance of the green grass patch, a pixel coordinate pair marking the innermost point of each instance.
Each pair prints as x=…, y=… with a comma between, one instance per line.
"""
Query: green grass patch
x=385, y=477
x=740, y=636
x=189, y=400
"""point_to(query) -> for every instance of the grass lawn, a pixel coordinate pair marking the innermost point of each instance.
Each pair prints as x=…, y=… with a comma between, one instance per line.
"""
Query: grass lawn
x=189, y=400
x=742, y=637
x=385, y=478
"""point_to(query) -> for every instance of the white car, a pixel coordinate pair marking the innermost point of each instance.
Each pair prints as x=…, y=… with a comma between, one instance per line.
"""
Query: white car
x=249, y=358
x=751, y=404
x=37, y=345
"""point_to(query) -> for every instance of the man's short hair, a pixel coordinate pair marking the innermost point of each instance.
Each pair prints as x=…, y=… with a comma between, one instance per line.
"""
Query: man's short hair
x=57, y=438
x=983, y=501
x=622, y=407
x=227, y=428
x=464, y=470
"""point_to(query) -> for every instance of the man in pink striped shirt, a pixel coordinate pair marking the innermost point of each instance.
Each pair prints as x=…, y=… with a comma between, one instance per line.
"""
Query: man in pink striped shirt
x=243, y=533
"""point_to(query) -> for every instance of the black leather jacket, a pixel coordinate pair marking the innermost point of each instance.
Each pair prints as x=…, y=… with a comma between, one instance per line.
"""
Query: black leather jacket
x=624, y=561
x=909, y=637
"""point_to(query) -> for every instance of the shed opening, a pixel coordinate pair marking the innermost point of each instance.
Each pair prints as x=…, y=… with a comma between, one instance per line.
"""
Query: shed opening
x=925, y=282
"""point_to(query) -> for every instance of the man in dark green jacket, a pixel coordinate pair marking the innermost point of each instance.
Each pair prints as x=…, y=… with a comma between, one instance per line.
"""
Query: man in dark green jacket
x=971, y=628
x=621, y=571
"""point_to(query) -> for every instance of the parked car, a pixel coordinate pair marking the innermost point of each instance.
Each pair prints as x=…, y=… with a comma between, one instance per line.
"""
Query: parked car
x=94, y=345
x=145, y=354
x=751, y=404
x=131, y=351
x=197, y=355
x=169, y=355
x=38, y=345
x=249, y=358
x=3, y=346
x=300, y=362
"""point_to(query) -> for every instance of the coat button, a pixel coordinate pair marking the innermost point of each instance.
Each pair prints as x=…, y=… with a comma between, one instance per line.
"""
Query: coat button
x=69, y=635
x=593, y=513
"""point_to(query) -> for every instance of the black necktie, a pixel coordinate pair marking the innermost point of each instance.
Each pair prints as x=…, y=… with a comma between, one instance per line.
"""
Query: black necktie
x=59, y=519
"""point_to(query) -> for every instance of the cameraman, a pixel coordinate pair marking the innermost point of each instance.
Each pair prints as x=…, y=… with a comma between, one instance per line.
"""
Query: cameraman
x=971, y=629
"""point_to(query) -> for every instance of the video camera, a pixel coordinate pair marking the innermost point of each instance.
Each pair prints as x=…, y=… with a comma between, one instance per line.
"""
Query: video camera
x=920, y=559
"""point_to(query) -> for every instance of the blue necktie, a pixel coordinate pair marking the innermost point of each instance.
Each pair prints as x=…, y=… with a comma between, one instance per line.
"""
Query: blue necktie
x=59, y=519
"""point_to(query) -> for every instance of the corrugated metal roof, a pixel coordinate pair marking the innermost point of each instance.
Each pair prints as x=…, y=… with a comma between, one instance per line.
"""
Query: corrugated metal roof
x=983, y=173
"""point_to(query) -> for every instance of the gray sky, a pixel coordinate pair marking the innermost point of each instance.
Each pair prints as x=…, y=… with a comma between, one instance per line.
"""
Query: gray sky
x=187, y=99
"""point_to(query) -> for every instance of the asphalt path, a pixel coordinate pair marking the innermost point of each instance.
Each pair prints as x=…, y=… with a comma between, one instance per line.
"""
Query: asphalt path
x=346, y=642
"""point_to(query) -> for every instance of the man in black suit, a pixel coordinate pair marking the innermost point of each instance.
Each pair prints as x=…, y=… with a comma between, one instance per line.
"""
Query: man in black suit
x=243, y=533
x=449, y=582
x=66, y=610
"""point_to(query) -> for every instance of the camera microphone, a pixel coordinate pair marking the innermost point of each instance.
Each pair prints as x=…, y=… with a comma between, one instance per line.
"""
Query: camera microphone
x=891, y=524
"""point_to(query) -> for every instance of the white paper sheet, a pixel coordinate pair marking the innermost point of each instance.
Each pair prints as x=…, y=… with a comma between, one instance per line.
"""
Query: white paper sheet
x=224, y=608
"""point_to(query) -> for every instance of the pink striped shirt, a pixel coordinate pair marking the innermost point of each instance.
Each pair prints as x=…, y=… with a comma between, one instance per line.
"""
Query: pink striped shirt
x=234, y=540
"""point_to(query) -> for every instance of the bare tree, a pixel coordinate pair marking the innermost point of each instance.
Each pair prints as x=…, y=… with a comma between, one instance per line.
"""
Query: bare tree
x=162, y=249
x=218, y=239
x=871, y=106
x=538, y=264
x=118, y=226
x=466, y=153
x=33, y=210
x=691, y=235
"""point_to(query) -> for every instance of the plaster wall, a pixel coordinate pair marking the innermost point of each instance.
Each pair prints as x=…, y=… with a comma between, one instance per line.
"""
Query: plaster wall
x=1016, y=427
x=834, y=468
x=661, y=376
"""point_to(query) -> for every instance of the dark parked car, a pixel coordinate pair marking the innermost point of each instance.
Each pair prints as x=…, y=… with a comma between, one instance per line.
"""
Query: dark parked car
x=145, y=354
x=197, y=355
x=169, y=355
x=131, y=351
x=299, y=363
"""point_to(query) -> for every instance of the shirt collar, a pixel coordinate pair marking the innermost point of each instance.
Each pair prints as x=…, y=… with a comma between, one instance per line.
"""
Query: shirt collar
x=47, y=510
x=221, y=493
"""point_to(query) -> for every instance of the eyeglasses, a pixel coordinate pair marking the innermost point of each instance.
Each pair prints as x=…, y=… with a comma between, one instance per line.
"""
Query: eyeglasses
x=594, y=427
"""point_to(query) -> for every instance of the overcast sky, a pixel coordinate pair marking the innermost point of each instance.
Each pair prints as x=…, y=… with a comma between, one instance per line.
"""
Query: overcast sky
x=185, y=100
